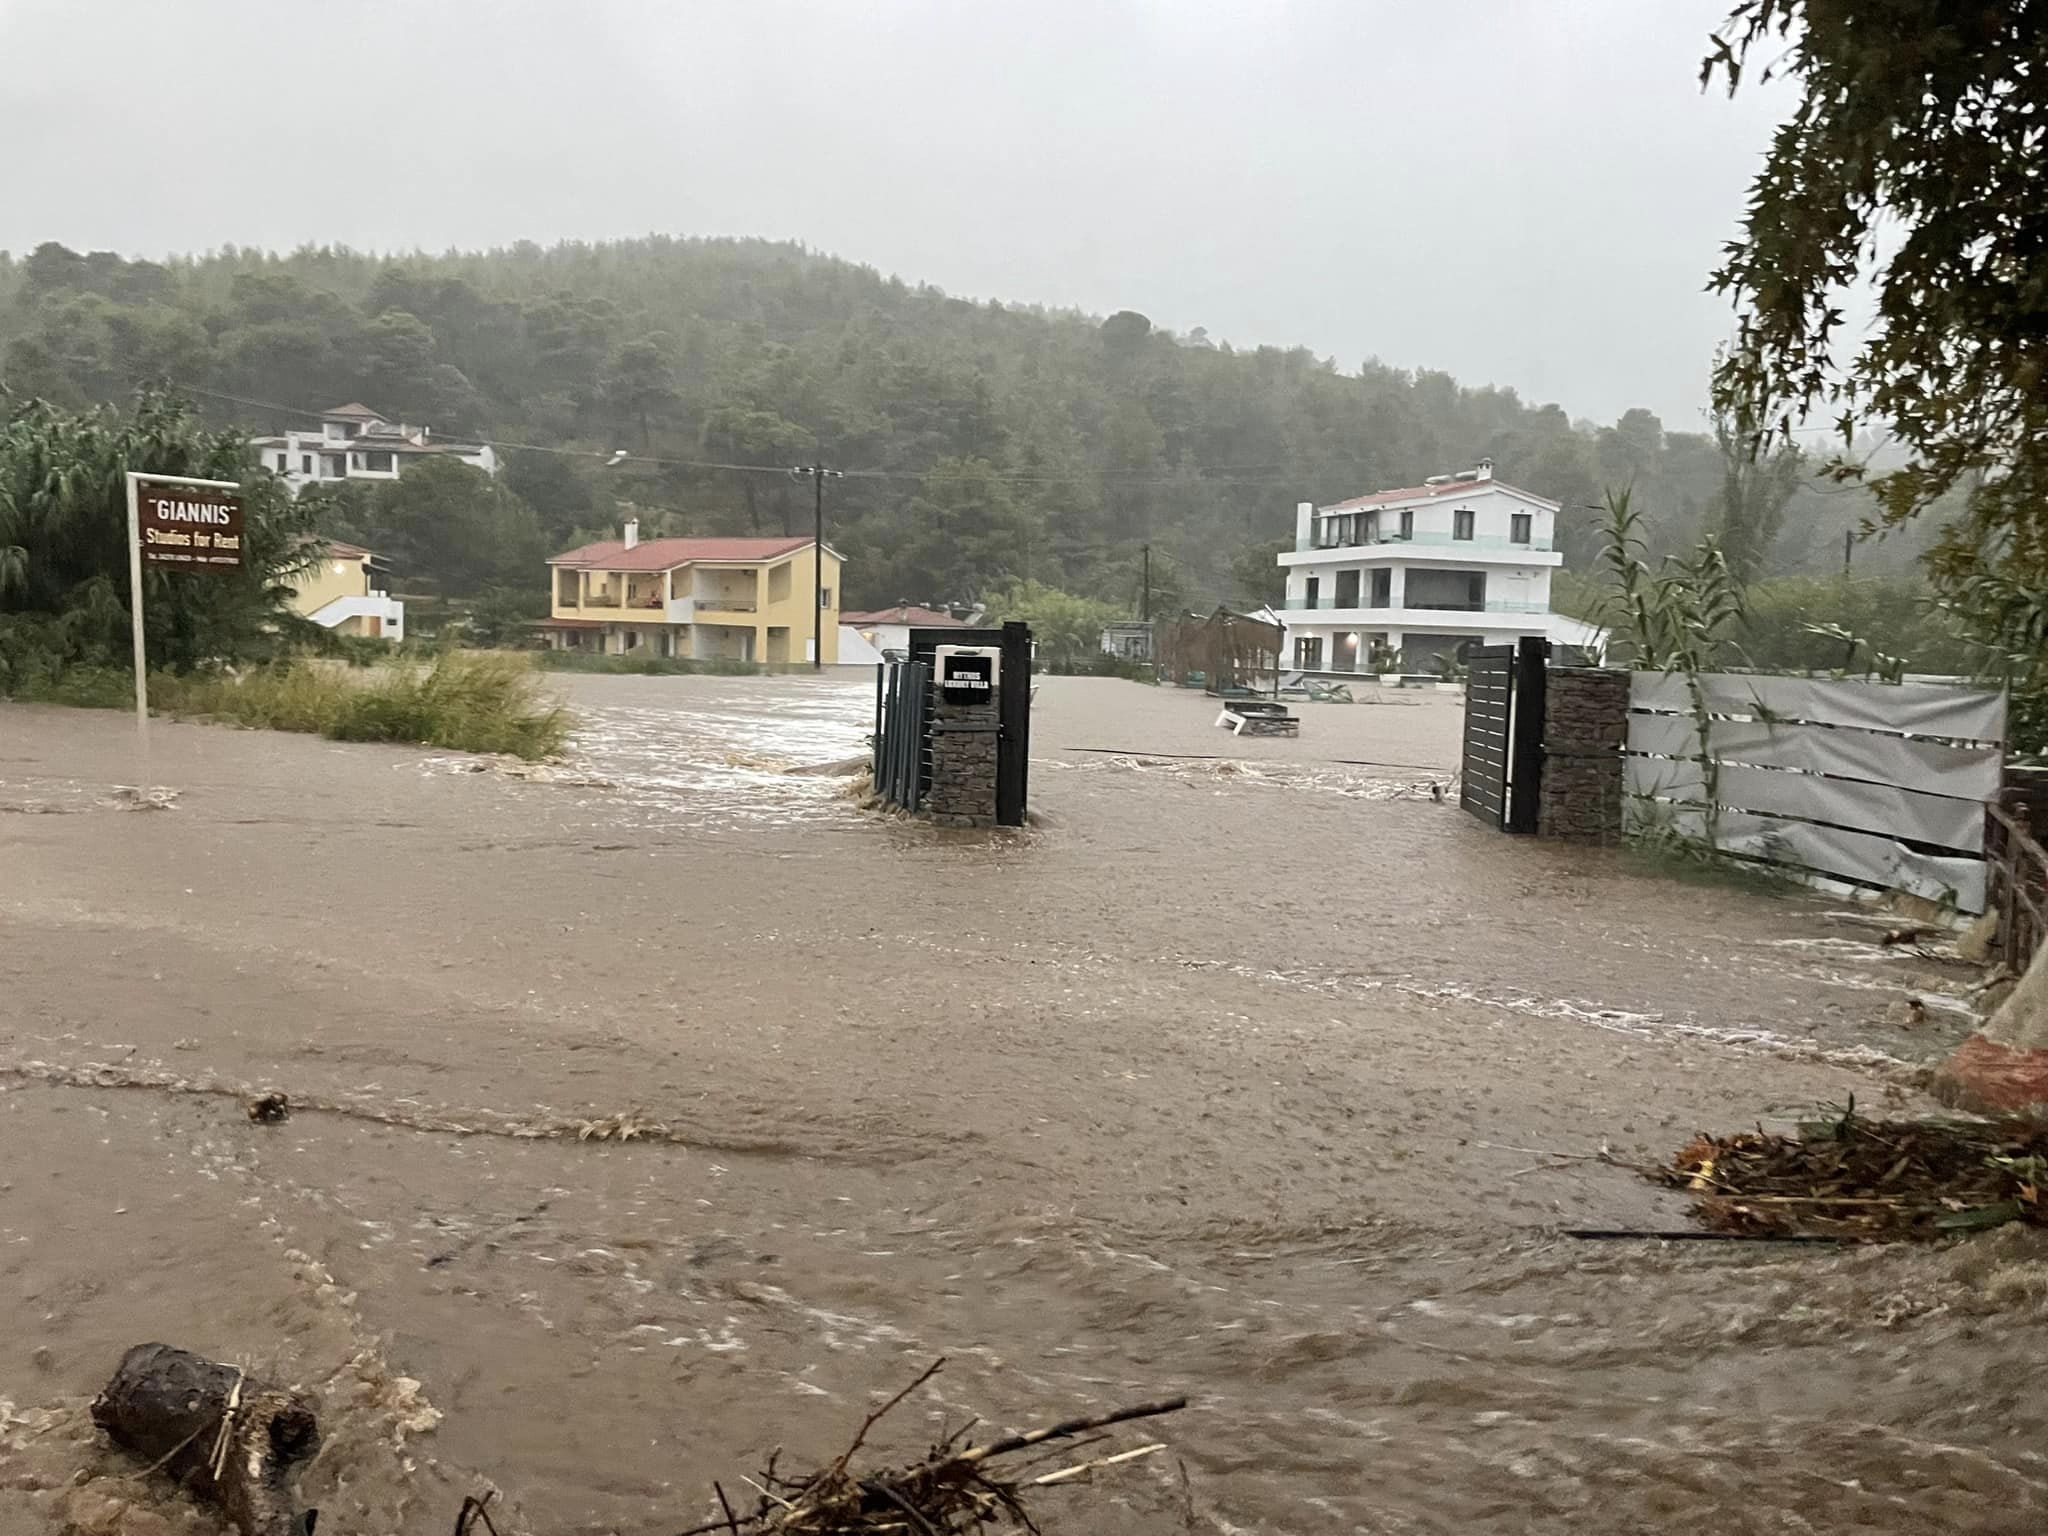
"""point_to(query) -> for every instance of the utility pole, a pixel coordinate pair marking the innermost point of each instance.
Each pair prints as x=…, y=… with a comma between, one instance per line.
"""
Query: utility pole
x=1145, y=606
x=1848, y=548
x=818, y=474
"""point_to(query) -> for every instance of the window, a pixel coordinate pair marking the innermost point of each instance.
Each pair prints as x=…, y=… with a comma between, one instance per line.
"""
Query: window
x=1382, y=589
x=1308, y=653
x=1461, y=523
x=824, y=597
x=1347, y=589
x=283, y=462
x=305, y=463
x=381, y=462
x=1518, y=528
x=1371, y=532
x=1315, y=586
x=1408, y=524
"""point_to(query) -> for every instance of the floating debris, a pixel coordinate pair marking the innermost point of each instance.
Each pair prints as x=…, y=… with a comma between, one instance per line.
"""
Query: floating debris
x=1870, y=1180
x=268, y=1108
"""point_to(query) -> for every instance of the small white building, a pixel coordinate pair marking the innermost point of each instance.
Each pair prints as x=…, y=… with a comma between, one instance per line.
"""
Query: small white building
x=888, y=629
x=356, y=443
x=1398, y=580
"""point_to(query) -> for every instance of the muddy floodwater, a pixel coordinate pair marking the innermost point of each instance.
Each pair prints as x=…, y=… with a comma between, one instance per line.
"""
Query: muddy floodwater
x=662, y=1107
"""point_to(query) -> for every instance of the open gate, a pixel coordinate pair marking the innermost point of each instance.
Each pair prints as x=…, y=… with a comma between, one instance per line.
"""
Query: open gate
x=1502, y=769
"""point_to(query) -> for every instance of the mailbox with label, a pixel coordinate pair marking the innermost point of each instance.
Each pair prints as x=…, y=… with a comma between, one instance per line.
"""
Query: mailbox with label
x=968, y=674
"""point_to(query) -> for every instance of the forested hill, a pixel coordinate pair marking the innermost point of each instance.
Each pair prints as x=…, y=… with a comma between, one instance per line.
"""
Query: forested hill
x=986, y=442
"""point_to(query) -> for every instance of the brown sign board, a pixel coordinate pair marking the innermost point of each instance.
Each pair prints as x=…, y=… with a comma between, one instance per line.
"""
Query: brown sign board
x=189, y=528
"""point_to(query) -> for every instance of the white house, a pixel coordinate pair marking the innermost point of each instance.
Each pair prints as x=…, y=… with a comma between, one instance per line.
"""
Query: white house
x=1397, y=579
x=355, y=443
x=888, y=629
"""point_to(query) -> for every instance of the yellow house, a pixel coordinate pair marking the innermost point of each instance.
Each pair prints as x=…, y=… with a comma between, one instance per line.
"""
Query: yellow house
x=349, y=591
x=698, y=599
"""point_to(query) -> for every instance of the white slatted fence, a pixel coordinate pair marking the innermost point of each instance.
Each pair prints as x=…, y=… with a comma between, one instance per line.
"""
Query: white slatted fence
x=1878, y=783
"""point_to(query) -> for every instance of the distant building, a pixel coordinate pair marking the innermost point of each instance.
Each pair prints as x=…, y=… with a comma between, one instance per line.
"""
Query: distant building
x=888, y=629
x=1129, y=639
x=694, y=599
x=356, y=443
x=349, y=591
x=1401, y=580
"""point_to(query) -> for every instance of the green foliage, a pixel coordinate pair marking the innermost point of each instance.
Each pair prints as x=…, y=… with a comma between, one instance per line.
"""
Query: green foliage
x=444, y=524
x=502, y=616
x=988, y=444
x=1912, y=163
x=1677, y=618
x=1066, y=628
x=460, y=702
x=1803, y=623
x=64, y=544
x=2006, y=621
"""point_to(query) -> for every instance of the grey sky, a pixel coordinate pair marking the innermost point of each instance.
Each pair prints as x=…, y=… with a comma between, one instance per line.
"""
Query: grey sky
x=1523, y=192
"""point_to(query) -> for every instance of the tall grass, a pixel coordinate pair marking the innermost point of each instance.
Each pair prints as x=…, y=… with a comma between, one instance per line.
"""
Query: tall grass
x=461, y=702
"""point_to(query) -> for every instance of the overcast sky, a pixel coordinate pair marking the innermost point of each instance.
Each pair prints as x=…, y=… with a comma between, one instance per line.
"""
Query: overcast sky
x=1522, y=192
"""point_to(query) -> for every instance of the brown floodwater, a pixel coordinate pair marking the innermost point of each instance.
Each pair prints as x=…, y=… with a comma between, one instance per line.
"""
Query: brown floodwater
x=1249, y=1071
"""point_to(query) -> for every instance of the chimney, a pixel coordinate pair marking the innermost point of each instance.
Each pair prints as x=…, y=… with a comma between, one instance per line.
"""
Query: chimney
x=632, y=531
x=1486, y=469
x=1304, y=524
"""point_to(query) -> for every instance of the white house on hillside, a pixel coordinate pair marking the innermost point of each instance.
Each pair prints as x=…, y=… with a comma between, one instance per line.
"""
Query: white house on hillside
x=355, y=443
x=1415, y=574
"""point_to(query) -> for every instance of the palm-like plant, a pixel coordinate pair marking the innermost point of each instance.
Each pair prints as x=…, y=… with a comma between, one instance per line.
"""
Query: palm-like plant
x=64, y=533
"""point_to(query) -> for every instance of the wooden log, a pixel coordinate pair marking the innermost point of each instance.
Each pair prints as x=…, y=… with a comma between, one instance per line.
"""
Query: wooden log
x=229, y=1438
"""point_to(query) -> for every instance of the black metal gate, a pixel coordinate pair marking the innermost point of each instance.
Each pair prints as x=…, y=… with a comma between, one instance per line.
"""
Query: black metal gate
x=902, y=744
x=1502, y=771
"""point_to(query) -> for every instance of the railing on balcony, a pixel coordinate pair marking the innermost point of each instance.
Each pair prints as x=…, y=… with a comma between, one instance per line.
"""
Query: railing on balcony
x=601, y=600
x=727, y=604
x=1495, y=605
x=1491, y=542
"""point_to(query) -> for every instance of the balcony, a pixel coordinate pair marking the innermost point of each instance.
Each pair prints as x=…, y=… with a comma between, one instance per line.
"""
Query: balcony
x=725, y=605
x=601, y=600
x=1383, y=614
x=1493, y=543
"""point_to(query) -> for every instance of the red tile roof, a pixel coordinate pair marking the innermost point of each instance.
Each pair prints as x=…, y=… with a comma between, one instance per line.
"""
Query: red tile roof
x=341, y=551
x=1430, y=492
x=661, y=554
x=907, y=613
x=356, y=410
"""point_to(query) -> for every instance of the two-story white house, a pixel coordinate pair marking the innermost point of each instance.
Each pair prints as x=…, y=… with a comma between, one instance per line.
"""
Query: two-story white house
x=356, y=443
x=1396, y=580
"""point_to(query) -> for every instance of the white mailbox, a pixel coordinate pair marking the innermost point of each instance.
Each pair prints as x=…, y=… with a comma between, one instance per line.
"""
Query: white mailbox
x=968, y=674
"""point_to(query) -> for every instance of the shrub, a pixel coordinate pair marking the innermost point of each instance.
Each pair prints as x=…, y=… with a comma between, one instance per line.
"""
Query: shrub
x=461, y=702
x=649, y=666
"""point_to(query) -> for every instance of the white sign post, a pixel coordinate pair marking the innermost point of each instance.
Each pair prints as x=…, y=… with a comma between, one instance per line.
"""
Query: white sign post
x=216, y=510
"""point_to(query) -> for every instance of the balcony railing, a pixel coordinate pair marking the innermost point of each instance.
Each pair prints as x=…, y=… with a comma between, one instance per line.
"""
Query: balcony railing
x=1489, y=542
x=601, y=600
x=1497, y=605
x=727, y=604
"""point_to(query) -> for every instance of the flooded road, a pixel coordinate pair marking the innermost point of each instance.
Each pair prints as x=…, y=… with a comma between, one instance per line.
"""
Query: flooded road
x=1249, y=1072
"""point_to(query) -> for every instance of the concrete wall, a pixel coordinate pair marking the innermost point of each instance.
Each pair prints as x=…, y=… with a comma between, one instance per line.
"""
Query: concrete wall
x=1585, y=726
